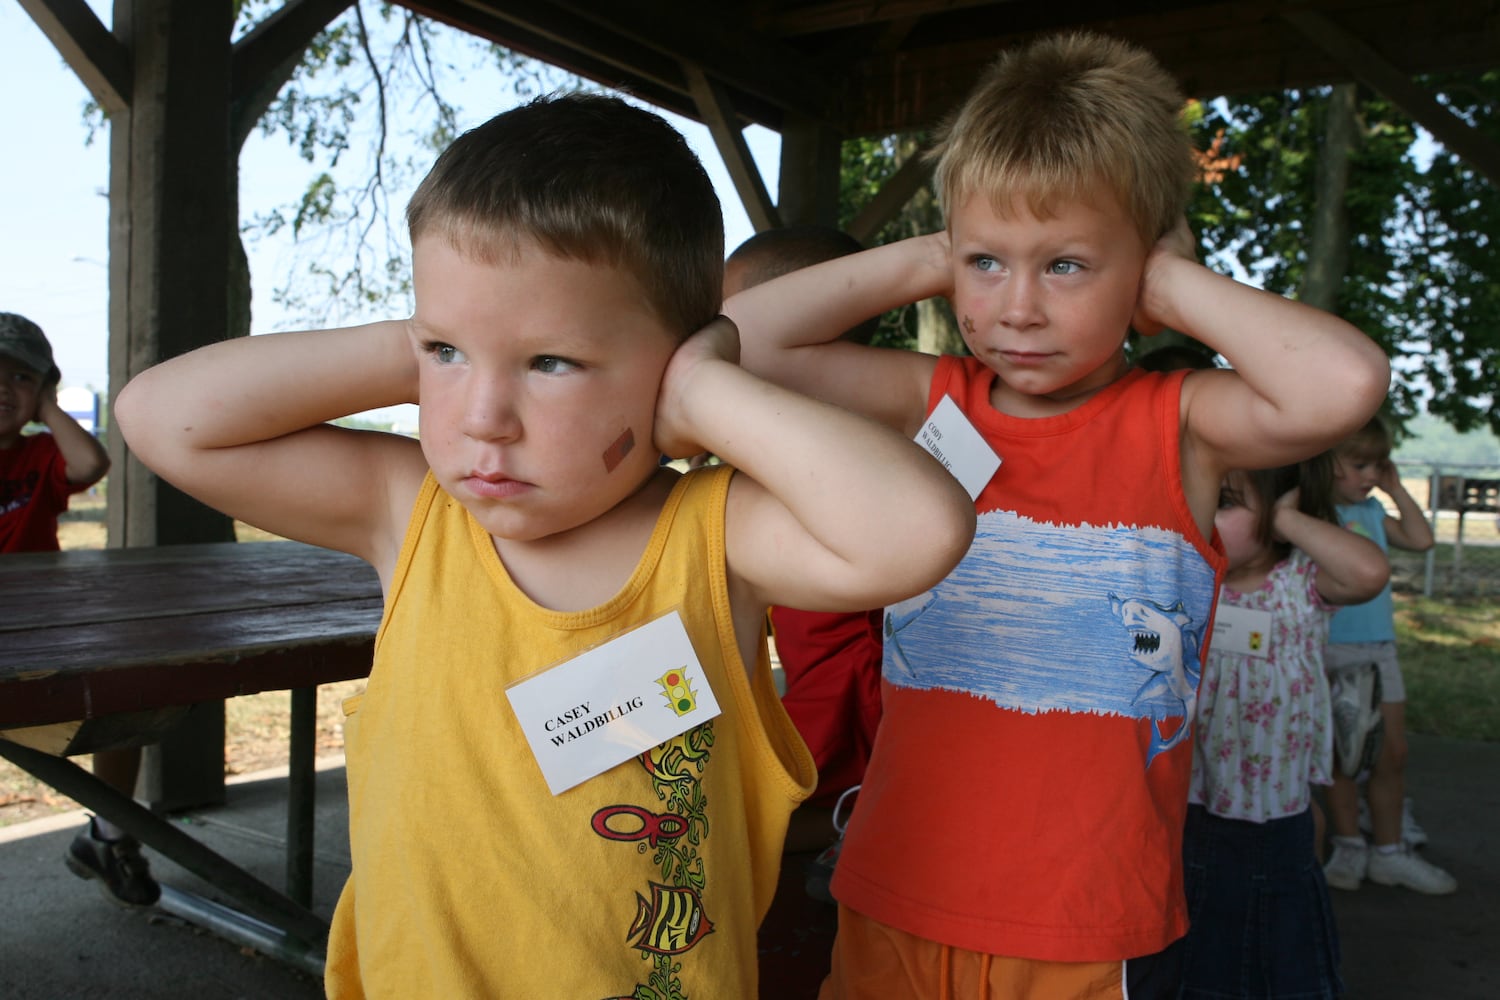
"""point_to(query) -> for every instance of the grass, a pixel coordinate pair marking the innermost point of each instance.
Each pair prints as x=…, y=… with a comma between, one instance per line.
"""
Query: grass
x=1450, y=660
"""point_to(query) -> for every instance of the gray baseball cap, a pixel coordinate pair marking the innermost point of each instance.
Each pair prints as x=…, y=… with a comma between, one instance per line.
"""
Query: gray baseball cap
x=23, y=340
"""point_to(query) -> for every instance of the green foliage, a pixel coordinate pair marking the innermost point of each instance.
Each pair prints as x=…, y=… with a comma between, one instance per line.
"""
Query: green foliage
x=867, y=163
x=1423, y=271
x=366, y=87
x=1433, y=442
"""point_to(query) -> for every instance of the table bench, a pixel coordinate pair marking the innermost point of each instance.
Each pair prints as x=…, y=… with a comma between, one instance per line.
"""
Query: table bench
x=103, y=648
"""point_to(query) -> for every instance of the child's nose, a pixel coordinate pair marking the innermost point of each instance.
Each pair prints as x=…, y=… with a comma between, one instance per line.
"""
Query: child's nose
x=490, y=412
x=1020, y=304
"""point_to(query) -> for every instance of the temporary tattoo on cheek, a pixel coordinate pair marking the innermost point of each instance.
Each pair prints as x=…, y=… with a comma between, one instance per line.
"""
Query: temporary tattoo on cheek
x=615, y=453
x=969, y=325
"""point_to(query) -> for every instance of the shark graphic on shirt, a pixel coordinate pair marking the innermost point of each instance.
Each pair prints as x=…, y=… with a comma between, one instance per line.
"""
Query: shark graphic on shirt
x=1042, y=617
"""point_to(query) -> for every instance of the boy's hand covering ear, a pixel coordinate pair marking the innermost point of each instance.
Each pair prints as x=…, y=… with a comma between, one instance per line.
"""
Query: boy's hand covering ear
x=718, y=341
x=1175, y=242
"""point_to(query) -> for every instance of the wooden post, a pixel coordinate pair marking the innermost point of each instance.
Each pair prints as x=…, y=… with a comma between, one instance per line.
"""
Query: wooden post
x=809, y=175
x=170, y=164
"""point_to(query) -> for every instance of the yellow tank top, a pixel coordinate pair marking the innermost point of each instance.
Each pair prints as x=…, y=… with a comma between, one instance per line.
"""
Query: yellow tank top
x=470, y=879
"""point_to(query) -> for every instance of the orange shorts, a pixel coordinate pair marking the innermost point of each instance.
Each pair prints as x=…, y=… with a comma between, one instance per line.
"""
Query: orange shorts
x=872, y=961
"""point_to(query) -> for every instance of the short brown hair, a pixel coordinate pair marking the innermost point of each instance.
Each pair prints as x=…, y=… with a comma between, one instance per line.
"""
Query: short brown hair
x=587, y=177
x=774, y=252
x=1064, y=116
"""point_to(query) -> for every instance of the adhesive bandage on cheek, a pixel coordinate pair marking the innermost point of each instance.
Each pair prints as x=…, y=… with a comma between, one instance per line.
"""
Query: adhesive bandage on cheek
x=615, y=453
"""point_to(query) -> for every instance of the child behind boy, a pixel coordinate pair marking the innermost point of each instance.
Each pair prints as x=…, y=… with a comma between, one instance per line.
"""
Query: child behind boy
x=541, y=804
x=1020, y=824
x=830, y=661
x=38, y=475
x=1261, y=922
x=1363, y=637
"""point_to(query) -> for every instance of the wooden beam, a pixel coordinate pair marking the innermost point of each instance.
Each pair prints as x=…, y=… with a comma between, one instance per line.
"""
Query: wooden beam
x=642, y=44
x=724, y=125
x=267, y=56
x=890, y=199
x=170, y=221
x=87, y=46
x=1371, y=69
x=653, y=78
x=809, y=175
x=837, y=15
x=709, y=35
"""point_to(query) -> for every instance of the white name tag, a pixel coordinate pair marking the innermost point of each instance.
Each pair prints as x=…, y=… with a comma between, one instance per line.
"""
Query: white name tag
x=1242, y=631
x=952, y=440
x=619, y=699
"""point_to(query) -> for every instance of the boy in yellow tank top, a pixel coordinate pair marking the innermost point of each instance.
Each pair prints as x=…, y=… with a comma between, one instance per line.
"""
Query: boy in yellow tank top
x=569, y=774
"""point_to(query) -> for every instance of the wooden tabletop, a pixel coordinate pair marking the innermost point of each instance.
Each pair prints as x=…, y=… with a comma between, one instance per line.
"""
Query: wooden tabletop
x=84, y=634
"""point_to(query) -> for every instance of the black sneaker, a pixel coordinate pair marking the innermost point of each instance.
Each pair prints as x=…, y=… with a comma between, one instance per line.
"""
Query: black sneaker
x=124, y=876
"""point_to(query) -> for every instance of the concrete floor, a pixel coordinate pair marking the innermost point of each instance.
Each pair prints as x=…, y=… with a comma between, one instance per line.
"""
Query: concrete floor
x=60, y=940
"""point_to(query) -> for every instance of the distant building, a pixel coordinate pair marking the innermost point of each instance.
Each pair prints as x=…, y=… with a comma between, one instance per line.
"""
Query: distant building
x=82, y=405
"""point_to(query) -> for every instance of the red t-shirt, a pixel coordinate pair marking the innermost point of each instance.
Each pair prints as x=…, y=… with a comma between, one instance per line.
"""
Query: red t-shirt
x=832, y=667
x=34, y=489
x=1028, y=787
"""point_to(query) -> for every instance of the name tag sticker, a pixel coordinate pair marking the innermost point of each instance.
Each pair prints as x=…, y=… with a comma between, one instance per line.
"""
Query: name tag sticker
x=619, y=699
x=1242, y=631
x=951, y=439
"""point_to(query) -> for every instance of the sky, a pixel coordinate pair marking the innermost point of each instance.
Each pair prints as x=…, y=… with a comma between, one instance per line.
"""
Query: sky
x=54, y=200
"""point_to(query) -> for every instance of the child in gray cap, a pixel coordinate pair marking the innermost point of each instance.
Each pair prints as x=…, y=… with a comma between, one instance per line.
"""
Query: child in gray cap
x=39, y=472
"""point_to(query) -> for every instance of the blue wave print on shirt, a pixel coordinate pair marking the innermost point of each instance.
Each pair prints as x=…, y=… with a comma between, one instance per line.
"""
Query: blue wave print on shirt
x=1043, y=617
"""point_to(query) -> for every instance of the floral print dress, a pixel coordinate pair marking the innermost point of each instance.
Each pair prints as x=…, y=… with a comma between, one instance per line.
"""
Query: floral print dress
x=1264, y=724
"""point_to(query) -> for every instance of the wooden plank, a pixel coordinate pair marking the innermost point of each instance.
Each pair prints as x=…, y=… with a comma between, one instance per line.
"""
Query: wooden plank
x=86, y=45
x=90, y=634
x=43, y=590
x=715, y=109
x=64, y=695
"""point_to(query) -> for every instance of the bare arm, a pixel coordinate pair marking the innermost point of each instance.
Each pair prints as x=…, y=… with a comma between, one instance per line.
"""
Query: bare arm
x=789, y=329
x=1302, y=378
x=1409, y=528
x=833, y=512
x=241, y=425
x=1351, y=568
x=83, y=456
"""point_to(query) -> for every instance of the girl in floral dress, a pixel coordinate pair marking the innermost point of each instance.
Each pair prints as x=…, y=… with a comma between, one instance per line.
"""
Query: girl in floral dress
x=1261, y=921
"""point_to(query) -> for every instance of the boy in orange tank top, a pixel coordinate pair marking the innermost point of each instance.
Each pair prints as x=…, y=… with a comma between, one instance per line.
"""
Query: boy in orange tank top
x=1020, y=824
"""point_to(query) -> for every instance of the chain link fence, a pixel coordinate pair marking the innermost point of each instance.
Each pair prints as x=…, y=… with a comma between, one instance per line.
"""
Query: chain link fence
x=1463, y=506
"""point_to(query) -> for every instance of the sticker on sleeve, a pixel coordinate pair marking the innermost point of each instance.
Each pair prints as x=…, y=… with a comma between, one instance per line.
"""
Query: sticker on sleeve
x=616, y=701
x=951, y=439
x=1242, y=631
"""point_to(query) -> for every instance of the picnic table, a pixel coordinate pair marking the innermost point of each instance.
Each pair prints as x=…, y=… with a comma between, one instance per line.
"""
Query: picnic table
x=106, y=648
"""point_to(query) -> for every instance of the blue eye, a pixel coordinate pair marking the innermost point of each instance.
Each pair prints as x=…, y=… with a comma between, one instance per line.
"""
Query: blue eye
x=446, y=354
x=1064, y=267
x=549, y=364
x=985, y=264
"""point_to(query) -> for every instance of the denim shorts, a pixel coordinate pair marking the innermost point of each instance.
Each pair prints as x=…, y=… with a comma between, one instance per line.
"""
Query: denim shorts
x=1261, y=921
